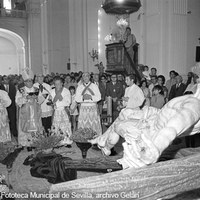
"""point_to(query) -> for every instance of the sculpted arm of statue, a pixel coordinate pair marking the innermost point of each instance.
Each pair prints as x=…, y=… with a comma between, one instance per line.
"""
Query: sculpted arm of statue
x=143, y=146
x=111, y=137
x=180, y=117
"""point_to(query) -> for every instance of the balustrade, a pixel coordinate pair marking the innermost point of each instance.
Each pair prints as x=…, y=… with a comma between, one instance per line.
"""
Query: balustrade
x=13, y=13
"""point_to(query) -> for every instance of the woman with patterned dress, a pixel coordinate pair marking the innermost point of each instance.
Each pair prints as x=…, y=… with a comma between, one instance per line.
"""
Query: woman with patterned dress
x=5, y=101
x=61, y=99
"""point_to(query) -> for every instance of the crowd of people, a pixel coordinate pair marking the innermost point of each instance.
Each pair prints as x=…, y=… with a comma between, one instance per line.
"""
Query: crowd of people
x=30, y=103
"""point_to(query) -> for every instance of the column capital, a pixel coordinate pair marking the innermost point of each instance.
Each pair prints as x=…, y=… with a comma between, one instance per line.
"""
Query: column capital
x=33, y=7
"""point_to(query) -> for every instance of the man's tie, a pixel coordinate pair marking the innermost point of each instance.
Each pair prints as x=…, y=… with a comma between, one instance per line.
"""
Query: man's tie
x=97, y=83
x=41, y=87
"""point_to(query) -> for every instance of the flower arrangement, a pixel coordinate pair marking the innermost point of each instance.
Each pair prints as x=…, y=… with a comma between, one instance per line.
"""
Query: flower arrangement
x=6, y=148
x=3, y=186
x=83, y=135
x=47, y=140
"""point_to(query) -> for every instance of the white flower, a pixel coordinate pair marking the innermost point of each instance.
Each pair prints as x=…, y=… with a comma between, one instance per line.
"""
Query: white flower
x=4, y=189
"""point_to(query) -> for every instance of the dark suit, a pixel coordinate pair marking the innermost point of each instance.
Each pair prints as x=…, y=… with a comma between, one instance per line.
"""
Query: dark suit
x=102, y=89
x=2, y=87
x=12, y=109
x=115, y=91
x=177, y=91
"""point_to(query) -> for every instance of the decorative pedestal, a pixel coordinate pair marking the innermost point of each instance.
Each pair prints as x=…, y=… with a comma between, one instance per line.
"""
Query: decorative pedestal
x=84, y=146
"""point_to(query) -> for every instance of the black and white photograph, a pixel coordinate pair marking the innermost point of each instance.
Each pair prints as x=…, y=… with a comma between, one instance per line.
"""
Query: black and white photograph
x=100, y=99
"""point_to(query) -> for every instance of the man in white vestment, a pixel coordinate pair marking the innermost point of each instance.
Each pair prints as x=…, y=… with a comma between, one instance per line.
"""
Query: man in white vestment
x=5, y=101
x=88, y=94
x=44, y=95
x=61, y=99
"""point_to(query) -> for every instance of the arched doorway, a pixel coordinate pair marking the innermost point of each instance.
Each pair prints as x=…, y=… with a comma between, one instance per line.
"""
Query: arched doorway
x=12, y=52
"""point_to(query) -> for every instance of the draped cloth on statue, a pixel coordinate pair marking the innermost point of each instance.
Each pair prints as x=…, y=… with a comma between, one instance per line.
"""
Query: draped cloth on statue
x=89, y=118
x=29, y=122
x=29, y=116
x=50, y=166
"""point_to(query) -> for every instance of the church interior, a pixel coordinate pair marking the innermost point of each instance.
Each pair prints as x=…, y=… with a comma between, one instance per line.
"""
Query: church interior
x=100, y=99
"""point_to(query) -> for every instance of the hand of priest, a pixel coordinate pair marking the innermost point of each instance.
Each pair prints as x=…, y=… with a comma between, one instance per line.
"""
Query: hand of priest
x=125, y=99
x=87, y=97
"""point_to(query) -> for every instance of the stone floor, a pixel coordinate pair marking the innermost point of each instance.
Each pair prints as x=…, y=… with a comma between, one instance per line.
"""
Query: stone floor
x=21, y=181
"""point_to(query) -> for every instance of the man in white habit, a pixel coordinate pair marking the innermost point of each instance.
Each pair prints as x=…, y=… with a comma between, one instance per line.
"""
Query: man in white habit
x=88, y=94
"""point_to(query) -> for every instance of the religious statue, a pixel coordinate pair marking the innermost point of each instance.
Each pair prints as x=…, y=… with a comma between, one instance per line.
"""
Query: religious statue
x=149, y=131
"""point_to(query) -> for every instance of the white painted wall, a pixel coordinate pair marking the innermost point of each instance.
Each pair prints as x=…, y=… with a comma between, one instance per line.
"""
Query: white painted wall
x=193, y=31
x=58, y=35
x=8, y=57
x=169, y=35
x=34, y=36
x=107, y=27
x=83, y=30
x=167, y=39
x=18, y=26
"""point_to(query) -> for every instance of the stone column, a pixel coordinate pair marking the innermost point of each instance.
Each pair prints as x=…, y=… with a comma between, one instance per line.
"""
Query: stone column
x=21, y=60
x=34, y=35
x=78, y=35
x=44, y=36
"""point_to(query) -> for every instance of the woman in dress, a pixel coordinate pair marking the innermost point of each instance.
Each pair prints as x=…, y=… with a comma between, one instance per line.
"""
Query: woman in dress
x=5, y=101
x=146, y=92
x=61, y=99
